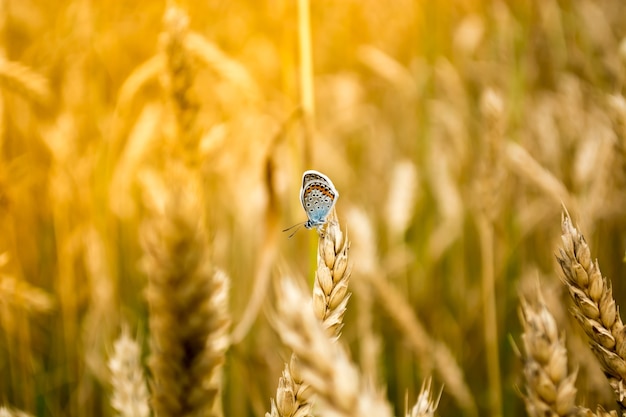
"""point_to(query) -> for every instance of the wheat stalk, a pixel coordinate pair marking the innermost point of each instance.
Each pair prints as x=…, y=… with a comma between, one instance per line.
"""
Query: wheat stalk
x=520, y=161
x=594, y=307
x=323, y=364
x=307, y=87
x=130, y=392
x=486, y=207
x=550, y=388
x=188, y=307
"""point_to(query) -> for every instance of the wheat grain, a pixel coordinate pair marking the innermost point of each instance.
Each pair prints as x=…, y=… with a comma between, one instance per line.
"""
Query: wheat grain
x=594, y=306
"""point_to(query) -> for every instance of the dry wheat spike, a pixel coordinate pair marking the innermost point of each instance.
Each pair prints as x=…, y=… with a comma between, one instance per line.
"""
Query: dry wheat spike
x=324, y=365
x=180, y=75
x=425, y=405
x=330, y=299
x=188, y=308
x=550, y=389
x=330, y=289
x=293, y=396
x=594, y=306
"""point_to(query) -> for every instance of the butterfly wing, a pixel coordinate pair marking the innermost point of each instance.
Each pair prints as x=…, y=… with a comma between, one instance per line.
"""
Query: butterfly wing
x=318, y=200
x=318, y=196
x=311, y=176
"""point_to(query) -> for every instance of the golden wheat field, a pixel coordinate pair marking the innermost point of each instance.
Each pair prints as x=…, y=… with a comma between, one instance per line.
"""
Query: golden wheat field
x=152, y=152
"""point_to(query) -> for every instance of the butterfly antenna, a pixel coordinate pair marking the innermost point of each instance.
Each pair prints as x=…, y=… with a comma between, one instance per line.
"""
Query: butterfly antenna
x=291, y=227
x=295, y=231
x=297, y=226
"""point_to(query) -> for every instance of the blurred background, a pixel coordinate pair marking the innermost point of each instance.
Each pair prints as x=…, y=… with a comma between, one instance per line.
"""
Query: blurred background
x=455, y=132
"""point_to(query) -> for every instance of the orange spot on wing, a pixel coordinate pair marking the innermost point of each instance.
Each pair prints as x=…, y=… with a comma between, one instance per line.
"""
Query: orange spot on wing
x=323, y=190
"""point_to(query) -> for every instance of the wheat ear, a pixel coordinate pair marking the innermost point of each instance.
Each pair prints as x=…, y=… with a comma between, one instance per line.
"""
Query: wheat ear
x=292, y=395
x=180, y=72
x=187, y=305
x=594, y=307
x=130, y=392
x=330, y=299
x=550, y=389
x=425, y=405
x=330, y=289
x=323, y=364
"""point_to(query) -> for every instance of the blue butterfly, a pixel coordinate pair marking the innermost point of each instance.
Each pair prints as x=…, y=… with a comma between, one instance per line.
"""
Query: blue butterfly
x=318, y=196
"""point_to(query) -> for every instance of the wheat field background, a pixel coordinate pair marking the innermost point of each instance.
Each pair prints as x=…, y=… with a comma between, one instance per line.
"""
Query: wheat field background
x=152, y=152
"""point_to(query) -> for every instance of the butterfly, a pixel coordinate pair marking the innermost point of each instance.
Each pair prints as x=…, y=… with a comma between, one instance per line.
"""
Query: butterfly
x=318, y=196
